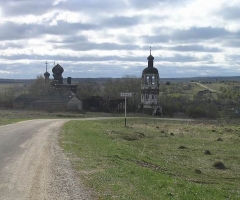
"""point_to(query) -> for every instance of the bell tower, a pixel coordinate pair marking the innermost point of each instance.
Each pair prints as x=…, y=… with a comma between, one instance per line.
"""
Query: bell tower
x=150, y=85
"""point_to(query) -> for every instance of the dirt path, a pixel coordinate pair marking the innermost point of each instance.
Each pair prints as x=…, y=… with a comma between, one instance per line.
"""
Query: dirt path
x=208, y=88
x=35, y=167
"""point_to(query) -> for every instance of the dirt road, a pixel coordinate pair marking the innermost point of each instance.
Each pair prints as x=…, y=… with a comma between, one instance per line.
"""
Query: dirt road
x=32, y=165
x=204, y=86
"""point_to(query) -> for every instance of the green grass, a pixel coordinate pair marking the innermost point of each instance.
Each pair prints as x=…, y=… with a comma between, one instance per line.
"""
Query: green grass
x=144, y=161
x=8, y=116
x=4, y=121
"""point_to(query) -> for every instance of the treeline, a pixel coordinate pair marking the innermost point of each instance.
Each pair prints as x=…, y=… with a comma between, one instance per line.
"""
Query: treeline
x=195, y=108
x=196, y=103
x=111, y=89
x=176, y=98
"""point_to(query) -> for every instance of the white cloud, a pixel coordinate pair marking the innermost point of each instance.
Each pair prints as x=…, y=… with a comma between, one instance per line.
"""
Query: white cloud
x=98, y=38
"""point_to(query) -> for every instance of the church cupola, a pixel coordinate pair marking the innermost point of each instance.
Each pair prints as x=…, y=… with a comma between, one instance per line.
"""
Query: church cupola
x=46, y=74
x=150, y=59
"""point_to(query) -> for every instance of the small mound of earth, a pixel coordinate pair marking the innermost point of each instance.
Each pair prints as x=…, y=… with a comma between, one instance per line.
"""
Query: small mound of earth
x=207, y=152
x=198, y=171
x=182, y=147
x=219, y=165
x=135, y=136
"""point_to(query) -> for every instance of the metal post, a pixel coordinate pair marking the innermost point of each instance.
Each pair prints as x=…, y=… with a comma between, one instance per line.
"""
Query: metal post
x=122, y=94
x=125, y=111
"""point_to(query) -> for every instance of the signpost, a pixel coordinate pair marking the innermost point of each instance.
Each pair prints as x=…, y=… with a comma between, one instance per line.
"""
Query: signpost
x=126, y=95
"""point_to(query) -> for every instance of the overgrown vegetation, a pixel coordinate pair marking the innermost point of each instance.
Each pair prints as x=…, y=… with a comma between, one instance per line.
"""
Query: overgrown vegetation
x=111, y=89
x=152, y=159
x=185, y=99
x=217, y=99
x=38, y=87
x=211, y=100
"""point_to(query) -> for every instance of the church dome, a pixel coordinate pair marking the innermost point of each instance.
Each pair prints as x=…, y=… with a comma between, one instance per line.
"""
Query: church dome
x=150, y=70
x=150, y=57
x=57, y=69
x=46, y=74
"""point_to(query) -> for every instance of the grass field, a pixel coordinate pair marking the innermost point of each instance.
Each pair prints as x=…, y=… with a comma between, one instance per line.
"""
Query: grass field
x=155, y=159
x=8, y=116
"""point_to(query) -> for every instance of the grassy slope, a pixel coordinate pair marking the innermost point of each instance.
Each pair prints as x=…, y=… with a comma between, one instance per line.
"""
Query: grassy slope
x=143, y=161
x=8, y=116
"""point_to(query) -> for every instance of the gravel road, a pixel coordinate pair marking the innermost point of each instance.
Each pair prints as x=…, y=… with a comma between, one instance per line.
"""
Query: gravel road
x=33, y=166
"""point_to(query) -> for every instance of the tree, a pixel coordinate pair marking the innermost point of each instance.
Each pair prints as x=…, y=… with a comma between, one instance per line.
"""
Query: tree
x=89, y=88
x=113, y=88
x=168, y=83
x=39, y=87
x=8, y=95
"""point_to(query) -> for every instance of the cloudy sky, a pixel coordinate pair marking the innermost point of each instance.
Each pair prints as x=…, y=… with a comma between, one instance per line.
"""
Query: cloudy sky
x=111, y=38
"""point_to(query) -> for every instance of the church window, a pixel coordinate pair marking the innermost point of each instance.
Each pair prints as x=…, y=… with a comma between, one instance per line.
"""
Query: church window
x=146, y=96
x=153, y=80
x=147, y=79
x=153, y=96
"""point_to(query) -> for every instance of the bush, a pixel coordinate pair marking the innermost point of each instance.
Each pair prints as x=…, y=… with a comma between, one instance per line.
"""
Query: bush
x=208, y=110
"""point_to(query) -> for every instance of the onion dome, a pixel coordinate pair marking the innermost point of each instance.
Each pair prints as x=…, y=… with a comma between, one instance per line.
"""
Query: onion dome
x=58, y=70
x=46, y=74
x=150, y=57
x=150, y=69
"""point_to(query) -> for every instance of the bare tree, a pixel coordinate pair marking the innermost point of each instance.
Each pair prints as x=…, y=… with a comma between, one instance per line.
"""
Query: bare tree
x=113, y=88
x=39, y=87
x=89, y=88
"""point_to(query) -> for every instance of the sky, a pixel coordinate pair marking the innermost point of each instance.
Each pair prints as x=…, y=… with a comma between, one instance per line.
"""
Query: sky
x=112, y=38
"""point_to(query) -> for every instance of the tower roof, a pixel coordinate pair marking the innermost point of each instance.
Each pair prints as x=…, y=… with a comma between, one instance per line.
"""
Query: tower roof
x=57, y=69
x=150, y=69
x=150, y=57
x=46, y=74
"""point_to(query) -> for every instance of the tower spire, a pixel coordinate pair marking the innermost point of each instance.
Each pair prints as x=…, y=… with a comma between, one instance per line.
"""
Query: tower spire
x=46, y=74
x=150, y=50
x=46, y=65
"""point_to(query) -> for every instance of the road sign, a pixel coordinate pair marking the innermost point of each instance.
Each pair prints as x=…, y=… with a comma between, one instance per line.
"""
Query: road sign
x=126, y=94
